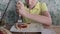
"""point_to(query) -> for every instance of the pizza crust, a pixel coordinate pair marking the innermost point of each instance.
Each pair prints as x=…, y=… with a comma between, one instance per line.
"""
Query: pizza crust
x=5, y=31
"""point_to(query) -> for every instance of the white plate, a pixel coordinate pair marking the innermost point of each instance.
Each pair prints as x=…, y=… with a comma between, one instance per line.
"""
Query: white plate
x=30, y=28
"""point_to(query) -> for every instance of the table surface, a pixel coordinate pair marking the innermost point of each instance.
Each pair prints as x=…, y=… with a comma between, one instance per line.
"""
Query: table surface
x=9, y=26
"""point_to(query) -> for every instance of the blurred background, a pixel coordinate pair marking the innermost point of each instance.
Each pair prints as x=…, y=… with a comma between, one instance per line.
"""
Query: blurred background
x=11, y=16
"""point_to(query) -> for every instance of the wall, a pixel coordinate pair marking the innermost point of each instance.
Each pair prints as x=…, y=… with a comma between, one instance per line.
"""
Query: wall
x=54, y=9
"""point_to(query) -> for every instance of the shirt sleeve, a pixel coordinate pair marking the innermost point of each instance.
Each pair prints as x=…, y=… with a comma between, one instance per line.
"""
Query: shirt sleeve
x=44, y=7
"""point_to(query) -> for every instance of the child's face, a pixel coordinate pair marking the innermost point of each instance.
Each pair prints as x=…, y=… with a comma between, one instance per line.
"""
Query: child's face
x=30, y=2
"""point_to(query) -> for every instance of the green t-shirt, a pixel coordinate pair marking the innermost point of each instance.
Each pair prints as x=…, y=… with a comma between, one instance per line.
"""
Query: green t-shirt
x=39, y=7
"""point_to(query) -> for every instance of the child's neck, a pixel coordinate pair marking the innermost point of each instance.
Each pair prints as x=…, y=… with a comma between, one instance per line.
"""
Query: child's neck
x=31, y=6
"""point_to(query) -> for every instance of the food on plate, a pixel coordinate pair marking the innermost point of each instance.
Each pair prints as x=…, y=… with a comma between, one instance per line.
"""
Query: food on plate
x=19, y=26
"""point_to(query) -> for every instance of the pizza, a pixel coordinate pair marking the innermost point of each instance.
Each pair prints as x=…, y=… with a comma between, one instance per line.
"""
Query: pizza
x=22, y=25
x=4, y=31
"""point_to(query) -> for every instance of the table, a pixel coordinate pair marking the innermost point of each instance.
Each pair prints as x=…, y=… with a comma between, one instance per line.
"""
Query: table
x=9, y=26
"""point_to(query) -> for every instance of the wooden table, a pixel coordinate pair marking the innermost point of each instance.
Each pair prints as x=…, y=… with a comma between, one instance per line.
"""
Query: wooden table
x=9, y=26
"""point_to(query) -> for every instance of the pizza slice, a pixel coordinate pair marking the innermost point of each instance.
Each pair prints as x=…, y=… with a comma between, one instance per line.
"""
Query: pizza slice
x=19, y=26
x=4, y=31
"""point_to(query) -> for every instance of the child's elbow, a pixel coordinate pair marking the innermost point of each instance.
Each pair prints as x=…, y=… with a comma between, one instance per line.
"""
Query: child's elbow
x=49, y=22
